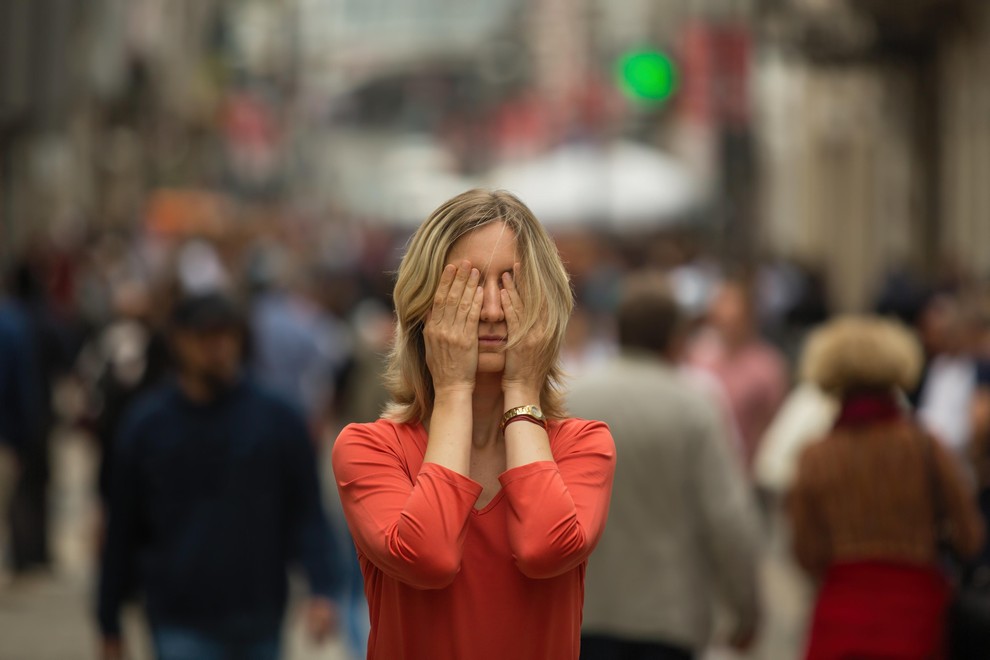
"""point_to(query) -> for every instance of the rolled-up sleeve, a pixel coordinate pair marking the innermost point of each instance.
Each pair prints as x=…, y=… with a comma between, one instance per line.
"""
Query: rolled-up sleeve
x=412, y=527
x=558, y=508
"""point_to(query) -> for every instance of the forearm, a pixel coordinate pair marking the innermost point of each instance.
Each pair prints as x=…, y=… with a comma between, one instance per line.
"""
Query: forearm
x=449, y=441
x=559, y=505
x=320, y=556
x=411, y=530
x=111, y=584
x=422, y=542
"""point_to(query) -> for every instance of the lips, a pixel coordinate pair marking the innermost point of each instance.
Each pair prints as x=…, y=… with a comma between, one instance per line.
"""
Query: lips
x=491, y=340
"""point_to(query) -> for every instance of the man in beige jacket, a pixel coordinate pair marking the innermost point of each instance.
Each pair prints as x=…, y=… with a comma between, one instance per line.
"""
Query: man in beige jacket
x=682, y=527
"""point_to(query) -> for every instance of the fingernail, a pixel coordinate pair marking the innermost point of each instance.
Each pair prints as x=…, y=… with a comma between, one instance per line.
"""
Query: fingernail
x=475, y=273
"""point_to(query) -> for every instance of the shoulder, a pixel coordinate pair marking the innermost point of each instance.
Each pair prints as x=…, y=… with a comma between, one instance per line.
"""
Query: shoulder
x=815, y=460
x=619, y=378
x=157, y=402
x=768, y=357
x=152, y=409
x=983, y=373
x=381, y=436
x=583, y=435
x=14, y=325
x=262, y=398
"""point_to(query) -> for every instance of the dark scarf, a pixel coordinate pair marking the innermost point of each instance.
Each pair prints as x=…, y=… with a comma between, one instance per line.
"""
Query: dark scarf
x=868, y=407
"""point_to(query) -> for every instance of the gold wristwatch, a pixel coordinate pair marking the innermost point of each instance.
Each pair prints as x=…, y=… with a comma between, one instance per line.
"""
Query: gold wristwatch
x=529, y=413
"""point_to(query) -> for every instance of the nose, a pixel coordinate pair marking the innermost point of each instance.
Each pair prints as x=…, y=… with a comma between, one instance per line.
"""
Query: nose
x=491, y=304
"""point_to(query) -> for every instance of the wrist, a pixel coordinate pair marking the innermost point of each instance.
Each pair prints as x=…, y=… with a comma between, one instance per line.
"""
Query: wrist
x=516, y=396
x=453, y=392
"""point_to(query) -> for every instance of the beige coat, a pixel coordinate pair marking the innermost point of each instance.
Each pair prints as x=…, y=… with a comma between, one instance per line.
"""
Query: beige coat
x=682, y=525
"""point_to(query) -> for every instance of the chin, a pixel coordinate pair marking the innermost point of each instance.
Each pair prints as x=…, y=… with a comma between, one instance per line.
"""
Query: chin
x=491, y=363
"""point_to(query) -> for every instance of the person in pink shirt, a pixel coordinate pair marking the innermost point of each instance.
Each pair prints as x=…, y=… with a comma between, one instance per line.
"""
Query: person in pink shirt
x=474, y=502
x=753, y=374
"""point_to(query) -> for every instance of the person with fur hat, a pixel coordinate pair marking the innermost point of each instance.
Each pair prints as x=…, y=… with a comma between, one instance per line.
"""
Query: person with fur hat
x=868, y=498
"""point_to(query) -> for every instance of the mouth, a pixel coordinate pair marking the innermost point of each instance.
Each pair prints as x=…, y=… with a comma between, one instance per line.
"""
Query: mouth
x=491, y=341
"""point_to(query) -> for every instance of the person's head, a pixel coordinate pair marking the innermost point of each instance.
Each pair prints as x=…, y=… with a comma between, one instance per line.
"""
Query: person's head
x=207, y=339
x=861, y=353
x=649, y=317
x=494, y=231
x=732, y=312
x=942, y=325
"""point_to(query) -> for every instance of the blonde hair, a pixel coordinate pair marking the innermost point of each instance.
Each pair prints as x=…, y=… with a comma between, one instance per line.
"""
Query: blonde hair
x=862, y=352
x=543, y=284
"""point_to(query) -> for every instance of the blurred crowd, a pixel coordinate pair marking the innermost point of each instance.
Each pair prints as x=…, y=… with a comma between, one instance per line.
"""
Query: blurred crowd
x=85, y=333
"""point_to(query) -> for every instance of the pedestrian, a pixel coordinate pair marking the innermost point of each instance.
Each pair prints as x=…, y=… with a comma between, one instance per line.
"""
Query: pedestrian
x=130, y=357
x=215, y=492
x=949, y=380
x=867, y=498
x=474, y=502
x=683, y=526
x=753, y=373
x=21, y=418
x=29, y=509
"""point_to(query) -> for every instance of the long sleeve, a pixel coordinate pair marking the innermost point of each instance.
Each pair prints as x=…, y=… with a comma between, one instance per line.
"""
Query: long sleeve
x=314, y=542
x=729, y=520
x=20, y=406
x=558, y=508
x=118, y=560
x=412, y=527
x=965, y=524
x=810, y=535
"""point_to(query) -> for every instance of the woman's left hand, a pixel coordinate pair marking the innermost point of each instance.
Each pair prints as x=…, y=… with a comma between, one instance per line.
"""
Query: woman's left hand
x=522, y=363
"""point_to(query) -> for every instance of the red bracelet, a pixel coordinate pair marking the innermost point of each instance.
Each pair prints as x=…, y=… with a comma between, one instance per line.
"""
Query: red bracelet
x=528, y=418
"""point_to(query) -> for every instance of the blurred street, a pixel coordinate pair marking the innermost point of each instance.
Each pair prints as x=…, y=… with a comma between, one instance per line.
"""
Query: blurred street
x=49, y=615
x=778, y=165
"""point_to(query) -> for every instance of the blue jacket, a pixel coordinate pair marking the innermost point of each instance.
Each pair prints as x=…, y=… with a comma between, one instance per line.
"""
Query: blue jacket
x=20, y=405
x=209, y=505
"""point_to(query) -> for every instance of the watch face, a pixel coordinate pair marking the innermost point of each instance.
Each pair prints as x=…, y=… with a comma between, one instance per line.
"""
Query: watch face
x=536, y=412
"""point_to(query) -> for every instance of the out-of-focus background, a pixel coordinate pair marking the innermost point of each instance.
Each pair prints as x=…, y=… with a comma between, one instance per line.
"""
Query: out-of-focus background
x=836, y=153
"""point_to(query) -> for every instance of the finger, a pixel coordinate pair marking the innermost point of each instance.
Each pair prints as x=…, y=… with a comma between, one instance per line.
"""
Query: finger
x=474, y=316
x=508, y=309
x=440, y=298
x=510, y=292
x=467, y=298
x=456, y=290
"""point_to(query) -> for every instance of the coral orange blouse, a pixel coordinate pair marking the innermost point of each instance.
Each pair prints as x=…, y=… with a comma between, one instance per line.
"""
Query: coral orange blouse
x=447, y=581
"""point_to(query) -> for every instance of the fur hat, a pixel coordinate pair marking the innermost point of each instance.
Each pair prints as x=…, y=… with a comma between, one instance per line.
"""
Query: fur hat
x=861, y=352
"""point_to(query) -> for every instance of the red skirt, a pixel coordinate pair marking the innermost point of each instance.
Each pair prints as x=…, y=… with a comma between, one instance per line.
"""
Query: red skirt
x=879, y=611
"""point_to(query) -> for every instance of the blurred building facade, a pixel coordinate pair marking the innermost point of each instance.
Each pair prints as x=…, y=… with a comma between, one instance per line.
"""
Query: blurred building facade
x=98, y=99
x=853, y=135
x=874, y=120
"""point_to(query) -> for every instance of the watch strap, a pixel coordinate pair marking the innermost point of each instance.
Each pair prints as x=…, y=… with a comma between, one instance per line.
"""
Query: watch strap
x=530, y=413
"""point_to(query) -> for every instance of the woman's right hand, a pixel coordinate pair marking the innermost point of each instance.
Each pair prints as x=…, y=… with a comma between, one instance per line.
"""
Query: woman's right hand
x=451, y=330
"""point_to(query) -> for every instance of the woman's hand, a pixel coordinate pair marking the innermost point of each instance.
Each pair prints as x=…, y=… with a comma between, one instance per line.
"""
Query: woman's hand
x=522, y=365
x=451, y=330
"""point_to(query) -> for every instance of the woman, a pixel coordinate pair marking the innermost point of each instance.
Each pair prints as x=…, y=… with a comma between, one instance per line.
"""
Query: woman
x=473, y=502
x=868, y=498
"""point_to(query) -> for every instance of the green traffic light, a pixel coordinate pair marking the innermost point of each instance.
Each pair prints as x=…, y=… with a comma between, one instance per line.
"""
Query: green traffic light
x=647, y=76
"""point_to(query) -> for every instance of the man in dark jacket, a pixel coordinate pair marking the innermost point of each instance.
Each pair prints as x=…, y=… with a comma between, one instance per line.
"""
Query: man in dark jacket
x=215, y=492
